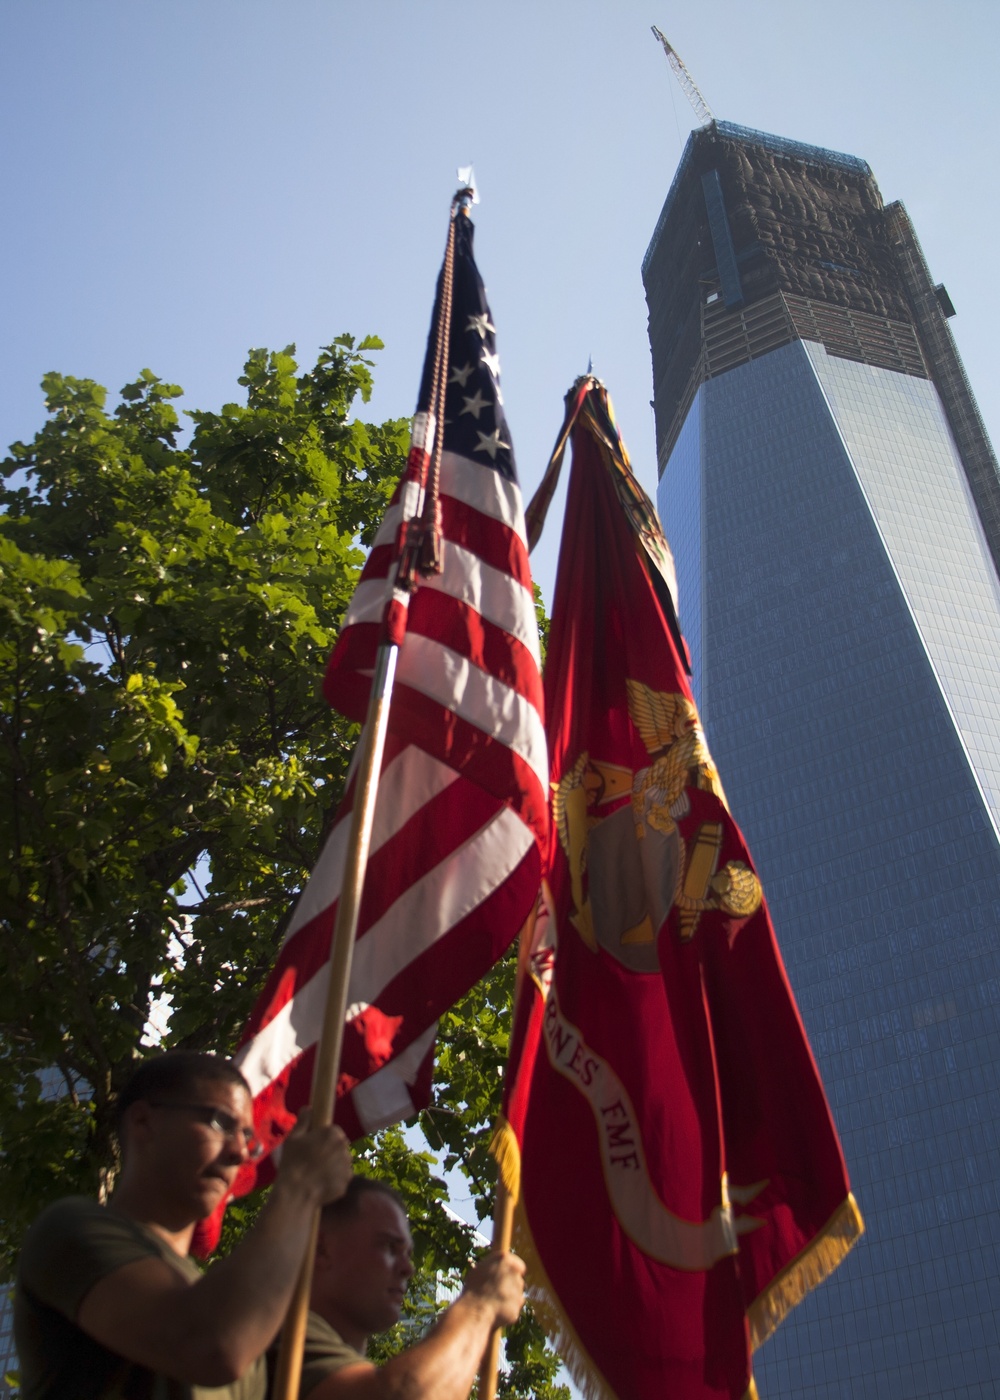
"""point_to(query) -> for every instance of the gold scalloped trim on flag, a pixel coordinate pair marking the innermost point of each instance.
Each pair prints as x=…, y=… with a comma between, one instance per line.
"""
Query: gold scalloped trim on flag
x=505, y=1147
x=554, y=1323
x=806, y=1271
x=590, y=1381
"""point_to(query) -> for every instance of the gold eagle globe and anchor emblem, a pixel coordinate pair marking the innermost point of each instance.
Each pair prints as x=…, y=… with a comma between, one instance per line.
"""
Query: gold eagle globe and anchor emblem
x=628, y=863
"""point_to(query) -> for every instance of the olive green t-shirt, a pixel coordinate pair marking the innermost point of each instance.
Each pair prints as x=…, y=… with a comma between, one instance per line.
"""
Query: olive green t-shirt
x=325, y=1352
x=70, y=1247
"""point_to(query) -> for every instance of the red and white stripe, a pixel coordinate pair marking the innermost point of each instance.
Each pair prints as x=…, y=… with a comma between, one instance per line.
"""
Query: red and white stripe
x=460, y=817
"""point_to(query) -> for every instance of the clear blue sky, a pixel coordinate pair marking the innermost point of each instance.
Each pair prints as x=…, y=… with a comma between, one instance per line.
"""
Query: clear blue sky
x=184, y=180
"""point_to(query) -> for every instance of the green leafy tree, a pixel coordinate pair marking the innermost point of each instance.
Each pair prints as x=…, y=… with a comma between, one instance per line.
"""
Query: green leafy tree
x=169, y=766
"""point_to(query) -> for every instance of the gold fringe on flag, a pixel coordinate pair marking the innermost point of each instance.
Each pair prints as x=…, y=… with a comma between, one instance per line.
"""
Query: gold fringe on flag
x=505, y=1148
x=818, y=1260
x=554, y=1323
x=558, y=1328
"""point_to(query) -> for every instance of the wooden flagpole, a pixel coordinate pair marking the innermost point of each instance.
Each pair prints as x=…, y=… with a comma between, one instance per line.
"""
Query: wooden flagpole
x=289, y=1371
x=420, y=555
x=505, y=1204
x=503, y=1231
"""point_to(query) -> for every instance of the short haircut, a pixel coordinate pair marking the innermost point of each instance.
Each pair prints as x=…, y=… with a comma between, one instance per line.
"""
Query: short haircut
x=171, y=1075
x=348, y=1206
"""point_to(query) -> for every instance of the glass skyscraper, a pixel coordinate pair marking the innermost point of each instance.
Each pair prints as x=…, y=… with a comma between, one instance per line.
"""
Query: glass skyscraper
x=833, y=505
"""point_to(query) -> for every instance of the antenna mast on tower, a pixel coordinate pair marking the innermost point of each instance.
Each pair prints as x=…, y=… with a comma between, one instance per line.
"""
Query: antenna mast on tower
x=702, y=110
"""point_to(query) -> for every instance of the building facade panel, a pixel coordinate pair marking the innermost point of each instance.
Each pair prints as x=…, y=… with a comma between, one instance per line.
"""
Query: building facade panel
x=896, y=433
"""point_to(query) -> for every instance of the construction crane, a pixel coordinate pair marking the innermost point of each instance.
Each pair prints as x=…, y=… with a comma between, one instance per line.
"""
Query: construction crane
x=702, y=110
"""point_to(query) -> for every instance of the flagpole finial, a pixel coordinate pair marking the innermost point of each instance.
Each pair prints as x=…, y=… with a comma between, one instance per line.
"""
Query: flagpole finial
x=466, y=194
x=585, y=382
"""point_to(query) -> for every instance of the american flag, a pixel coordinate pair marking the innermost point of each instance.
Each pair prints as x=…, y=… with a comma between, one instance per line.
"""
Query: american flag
x=462, y=809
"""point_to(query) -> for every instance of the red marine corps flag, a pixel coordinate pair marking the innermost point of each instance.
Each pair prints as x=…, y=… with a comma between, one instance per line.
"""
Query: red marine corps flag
x=461, y=814
x=681, y=1182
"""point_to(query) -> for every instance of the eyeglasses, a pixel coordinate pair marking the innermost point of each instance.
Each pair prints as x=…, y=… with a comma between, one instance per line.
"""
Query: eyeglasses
x=217, y=1121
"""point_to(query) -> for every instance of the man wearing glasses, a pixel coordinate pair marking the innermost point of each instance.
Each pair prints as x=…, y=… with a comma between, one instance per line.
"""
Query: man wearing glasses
x=108, y=1302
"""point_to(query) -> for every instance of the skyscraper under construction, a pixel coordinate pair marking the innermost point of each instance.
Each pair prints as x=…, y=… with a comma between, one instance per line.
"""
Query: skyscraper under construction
x=833, y=504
